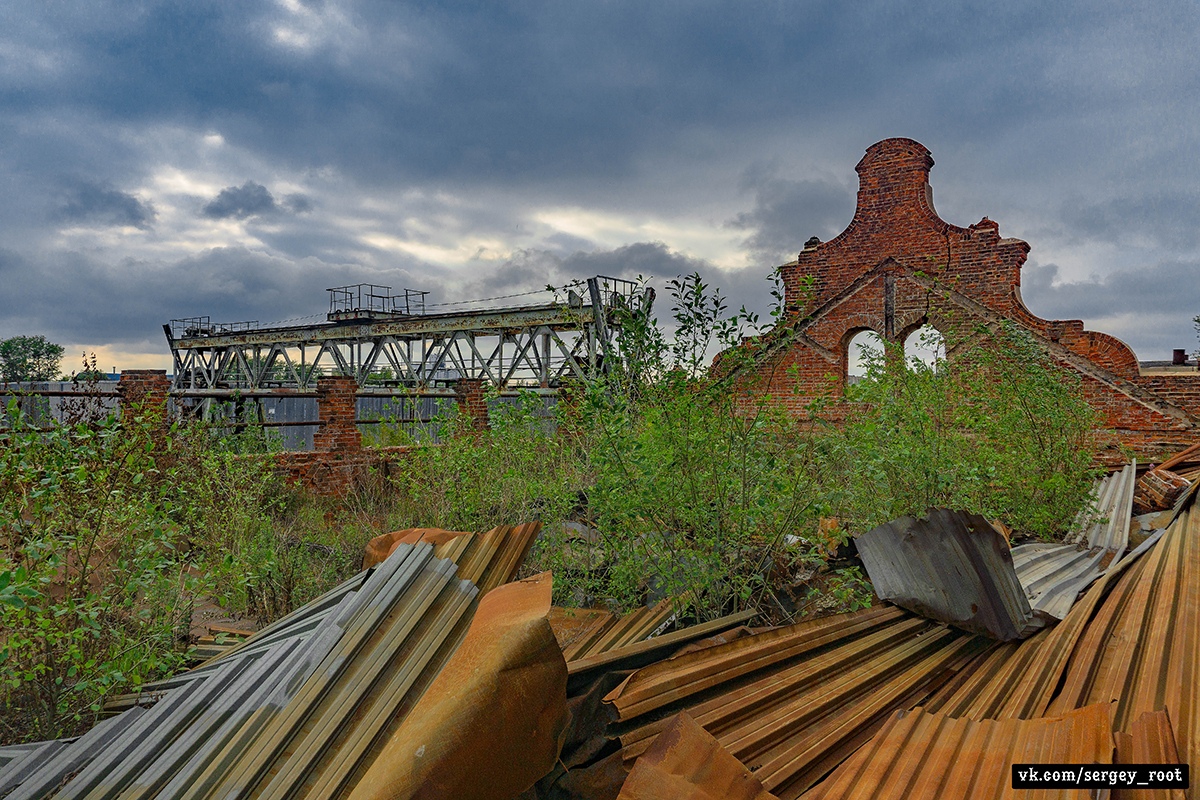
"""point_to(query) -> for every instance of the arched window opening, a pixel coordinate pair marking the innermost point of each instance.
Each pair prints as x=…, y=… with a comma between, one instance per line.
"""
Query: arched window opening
x=866, y=347
x=925, y=345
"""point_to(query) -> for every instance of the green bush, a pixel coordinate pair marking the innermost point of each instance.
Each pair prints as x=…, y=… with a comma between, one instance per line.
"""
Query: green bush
x=516, y=470
x=111, y=530
x=97, y=569
x=999, y=430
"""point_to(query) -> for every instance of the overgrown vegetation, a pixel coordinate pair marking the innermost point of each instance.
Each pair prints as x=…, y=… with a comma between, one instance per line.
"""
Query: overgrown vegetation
x=112, y=530
x=657, y=481
x=661, y=482
x=998, y=430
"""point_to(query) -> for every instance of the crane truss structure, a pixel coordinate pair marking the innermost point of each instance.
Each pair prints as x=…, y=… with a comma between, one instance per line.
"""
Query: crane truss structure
x=525, y=346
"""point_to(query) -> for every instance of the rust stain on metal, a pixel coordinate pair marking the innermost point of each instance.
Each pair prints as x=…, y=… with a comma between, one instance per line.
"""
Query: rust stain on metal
x=923, y=754
x=687, y=763
x=491, y=723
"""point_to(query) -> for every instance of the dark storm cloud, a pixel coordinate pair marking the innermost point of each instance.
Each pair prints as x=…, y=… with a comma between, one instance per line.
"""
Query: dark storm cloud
x=73, y=297
x=297, y=203
x=1158, y=218
x=641, y=110
x=535, y=269
x=248, y=200
x=651, y=263
x=539, y=90
x=89, y=203
x=1150, y=307
x=787, y=212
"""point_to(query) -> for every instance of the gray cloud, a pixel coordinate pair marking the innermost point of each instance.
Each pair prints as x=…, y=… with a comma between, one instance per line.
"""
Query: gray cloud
x=1157, y=218
x=1150, y=307
x=248, y=200
x=787, y=212
x=90, y=203
x=129, y=301
x=298, y=203
x=1062, y=121
x=651, y=262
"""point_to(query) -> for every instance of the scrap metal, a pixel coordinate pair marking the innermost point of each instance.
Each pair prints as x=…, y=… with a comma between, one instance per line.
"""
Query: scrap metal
x=491, y=723
x=1054, y=574
x=922, y=754
x=687, y=763
x=296, y=718
x=951, y=566
x=789, y=703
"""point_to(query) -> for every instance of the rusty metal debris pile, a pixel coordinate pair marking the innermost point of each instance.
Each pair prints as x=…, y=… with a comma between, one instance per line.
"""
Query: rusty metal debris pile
x=888, y=703
x=294, y=718
x=789, y=703
x=305, y=707
x=1053, y=575
x=403, y=682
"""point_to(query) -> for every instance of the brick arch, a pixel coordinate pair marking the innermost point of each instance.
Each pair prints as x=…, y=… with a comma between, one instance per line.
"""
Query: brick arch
x=850, y=324
x=913, y=322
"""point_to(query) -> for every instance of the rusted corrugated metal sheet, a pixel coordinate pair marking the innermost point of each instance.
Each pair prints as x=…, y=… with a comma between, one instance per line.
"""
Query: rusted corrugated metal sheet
x=295, y=719
x=1107, y=527
x=950, y=566
x=790, y=703
x=922, y=754
x=687, y=763
x=486, y=559
x=1152, y=741
x=1054, y=574
x=1142, y=646
x=611, y=633
x=491, y=723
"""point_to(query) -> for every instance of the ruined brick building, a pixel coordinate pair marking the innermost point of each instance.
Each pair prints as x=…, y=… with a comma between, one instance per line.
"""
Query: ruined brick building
x=899, y=266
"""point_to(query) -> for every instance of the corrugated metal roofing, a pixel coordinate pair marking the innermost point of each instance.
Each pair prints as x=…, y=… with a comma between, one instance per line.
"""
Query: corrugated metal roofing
x=488, y=560
x=609, y=632
x=295, y=718
x=1152, y=741
x=950, y=566
x=1053, y=575
x=789, y=703
x=491, y=723
x=922, y=754
x=687, y=763
x=792, y=704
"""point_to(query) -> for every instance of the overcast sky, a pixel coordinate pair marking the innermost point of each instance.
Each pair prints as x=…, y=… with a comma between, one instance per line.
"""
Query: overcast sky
x=162, y=160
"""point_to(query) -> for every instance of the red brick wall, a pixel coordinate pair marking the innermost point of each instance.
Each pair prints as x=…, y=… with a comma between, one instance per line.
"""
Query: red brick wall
x=336, y=473
x=472, y=402
x=897, y=265
x=144, y=390
x=336, y=396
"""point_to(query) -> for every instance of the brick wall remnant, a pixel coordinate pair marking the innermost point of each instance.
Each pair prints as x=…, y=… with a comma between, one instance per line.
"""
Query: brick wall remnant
x=144, y=391
x=472, y=403
x=336, y=413
x=898, y=266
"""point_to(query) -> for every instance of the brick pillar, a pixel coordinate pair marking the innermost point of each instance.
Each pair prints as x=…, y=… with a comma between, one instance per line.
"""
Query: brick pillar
x=336, y=412
x=144, y=391
x=471, y=402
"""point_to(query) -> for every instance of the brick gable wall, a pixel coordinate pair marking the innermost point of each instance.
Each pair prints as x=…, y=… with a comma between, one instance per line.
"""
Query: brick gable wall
x=898, y=265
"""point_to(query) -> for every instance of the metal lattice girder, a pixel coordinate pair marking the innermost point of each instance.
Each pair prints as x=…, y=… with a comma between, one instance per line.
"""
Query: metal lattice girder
x=525, y=346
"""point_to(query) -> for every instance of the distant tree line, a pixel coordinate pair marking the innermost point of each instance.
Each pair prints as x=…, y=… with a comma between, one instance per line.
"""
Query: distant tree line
x=29, y=358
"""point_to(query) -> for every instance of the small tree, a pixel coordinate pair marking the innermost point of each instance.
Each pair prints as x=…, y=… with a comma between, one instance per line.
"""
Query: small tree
x=29, y=358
